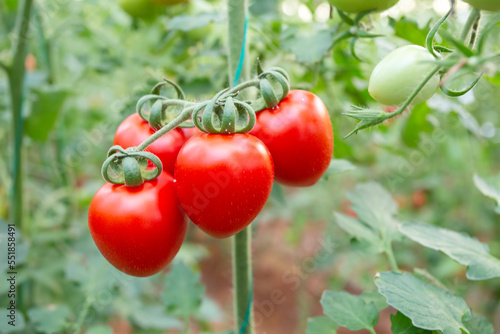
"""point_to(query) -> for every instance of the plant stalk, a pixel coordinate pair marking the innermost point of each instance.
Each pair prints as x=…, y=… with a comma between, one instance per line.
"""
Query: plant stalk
x=242, y=262
x=16, y=83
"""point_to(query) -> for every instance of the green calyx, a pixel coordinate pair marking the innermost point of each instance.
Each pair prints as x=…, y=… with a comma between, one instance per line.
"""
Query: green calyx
x=224, y=115
x=129, y=166
x=270, y=95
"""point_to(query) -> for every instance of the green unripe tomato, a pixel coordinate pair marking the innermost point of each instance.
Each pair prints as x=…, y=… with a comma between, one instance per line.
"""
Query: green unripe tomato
x=169, y=2
x=143, y=9
x=491, y=5
x=358, y=6
x=400, y=73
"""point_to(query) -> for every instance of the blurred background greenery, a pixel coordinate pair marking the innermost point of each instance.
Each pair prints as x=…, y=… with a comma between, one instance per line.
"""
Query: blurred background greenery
x=89, y=62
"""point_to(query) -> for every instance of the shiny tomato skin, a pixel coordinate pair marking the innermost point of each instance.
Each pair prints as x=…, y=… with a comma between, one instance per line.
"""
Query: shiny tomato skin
x=138, y=230
x=358, y=6
x=299, y=135
x=223, y=181
x=134, y=130
x=491, y=5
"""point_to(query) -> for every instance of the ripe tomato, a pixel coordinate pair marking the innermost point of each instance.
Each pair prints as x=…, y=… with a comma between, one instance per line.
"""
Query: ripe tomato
x=491, y=5
x=399, y=74
x=299, y=135
x=138, y=230
x=134, y=130
x=358, y=6
x=169, y=2
x=189, y=132
x=223, y=181
x=143, y=9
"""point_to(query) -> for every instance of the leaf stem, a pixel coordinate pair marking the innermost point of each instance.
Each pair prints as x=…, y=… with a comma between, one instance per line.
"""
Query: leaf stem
x=392, y=259
x=473, y=18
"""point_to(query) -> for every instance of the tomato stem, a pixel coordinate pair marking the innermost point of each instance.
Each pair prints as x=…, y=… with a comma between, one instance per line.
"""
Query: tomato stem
x=413, y=95
x=242, y=262
x=472, y=21
x=183, y=116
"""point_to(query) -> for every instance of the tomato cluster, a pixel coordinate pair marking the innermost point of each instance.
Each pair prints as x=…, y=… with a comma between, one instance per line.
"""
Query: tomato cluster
x=222, y=181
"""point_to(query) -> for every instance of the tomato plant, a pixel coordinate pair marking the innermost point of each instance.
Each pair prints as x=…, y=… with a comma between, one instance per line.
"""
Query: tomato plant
x=359, y=6
x=299, y=135
x=223, y=181
x=491, y=5
x=139, y=229
x=134, y=130
x=400, y=73
x=143, y=9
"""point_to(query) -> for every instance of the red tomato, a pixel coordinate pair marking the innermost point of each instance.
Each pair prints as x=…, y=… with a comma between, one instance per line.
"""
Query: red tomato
x=299, y=135
x=189, y=132
x=223, y=181
x=134, y=130
x=138, y=230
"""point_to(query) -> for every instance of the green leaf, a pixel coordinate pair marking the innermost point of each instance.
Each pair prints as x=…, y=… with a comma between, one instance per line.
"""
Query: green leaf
x=321, y=325
x=360, y=231
x=191, y=22
x=479, y=325
x=410, y=31
x=183, y=291
x=50, y=319
x=376, y=298
x=338, y=166
x=428, y=307
x=402, y=325
x=99, y=330
x=45, y=106
x=349, y=311
x=5, y=327
x=307, y=46
x=154, y=317
x=460, y=247
x=488, y=190
x=376, y=209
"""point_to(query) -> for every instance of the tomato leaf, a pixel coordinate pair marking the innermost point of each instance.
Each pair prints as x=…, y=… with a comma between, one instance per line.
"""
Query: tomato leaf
x=50, y=319
x=183, y=291
x=403, y=325
x=349, y=311
x=409, y=30
x=45, y=106
x=20, y=323
x=479, y=325
x=376, y=209
x=307, y=46
x=99, y=330
x=321, y=325
x=154, y=317
x=488, y=190
x=428, y=306
x=338, y=166
x=460, y=247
